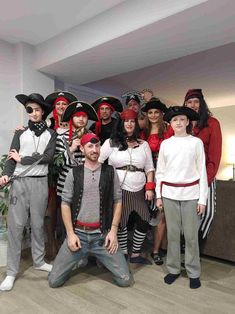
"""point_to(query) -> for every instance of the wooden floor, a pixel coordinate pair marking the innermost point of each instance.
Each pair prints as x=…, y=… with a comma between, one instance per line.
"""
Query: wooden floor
x=91, y=291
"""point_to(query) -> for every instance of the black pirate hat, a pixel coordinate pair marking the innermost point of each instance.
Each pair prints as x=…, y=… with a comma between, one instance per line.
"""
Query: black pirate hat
x=38, y=99
x=154, y=104
x=79, y=106
x=180, y=110
x=112, y=101
x=60, y=95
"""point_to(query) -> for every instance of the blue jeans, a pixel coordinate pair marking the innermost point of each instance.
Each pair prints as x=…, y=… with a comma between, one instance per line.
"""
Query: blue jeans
x=90, y=245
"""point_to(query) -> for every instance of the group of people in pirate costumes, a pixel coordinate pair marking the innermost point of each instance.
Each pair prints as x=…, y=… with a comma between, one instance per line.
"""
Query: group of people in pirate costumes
x=143, y=143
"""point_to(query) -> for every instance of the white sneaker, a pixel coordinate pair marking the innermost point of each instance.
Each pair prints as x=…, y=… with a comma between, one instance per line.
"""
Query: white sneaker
x=7, y=283
x=45, y=267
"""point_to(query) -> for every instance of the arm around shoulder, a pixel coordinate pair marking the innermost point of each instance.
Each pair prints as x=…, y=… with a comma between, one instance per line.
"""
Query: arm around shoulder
x=105, y=151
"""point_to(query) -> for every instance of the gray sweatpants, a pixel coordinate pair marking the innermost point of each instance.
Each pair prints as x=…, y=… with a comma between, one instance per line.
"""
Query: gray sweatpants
x=182, y=215
x=28, y=195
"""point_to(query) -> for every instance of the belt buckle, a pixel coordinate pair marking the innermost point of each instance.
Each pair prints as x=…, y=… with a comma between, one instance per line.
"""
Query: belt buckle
x=81, y=227
x=131, y=168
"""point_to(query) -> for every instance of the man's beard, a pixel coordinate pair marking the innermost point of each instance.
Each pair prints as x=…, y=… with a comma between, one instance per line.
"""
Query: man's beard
x=92, y=157
x=106, y=118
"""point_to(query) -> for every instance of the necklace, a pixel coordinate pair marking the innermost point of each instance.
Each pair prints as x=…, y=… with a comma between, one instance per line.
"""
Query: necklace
x=35, y=153
x=129, y=150
x=79, y=132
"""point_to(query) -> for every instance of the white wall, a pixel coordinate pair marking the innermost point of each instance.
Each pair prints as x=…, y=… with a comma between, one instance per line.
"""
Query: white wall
x=226, y=116
x=17, y=75
x=9, y=84
x=32, y=81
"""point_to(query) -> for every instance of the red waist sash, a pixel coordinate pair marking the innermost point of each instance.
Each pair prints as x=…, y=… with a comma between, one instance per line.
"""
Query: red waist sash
x=179, y=184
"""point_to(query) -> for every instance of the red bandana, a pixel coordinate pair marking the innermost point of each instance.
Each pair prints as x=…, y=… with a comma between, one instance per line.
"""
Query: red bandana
x=193, y=93
x=61, y=98
x=128, y=114
x=88, y=137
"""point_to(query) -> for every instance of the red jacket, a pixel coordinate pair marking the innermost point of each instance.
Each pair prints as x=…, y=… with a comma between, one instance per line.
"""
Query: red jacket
x=212, y=139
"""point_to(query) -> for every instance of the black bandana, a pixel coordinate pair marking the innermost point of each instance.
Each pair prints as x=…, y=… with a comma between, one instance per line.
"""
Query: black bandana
x=37, y=127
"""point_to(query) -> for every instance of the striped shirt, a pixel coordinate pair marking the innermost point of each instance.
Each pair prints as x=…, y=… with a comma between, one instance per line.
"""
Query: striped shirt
x=66, y=160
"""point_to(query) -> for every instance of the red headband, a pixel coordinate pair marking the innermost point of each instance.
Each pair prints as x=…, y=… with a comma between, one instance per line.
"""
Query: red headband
x=76, y=114
x=128, y=114
x=61, y=98
x=106, y=104
x=79, y=114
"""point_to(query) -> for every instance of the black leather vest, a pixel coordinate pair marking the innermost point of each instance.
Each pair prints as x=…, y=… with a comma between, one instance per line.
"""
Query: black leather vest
x=106, y=184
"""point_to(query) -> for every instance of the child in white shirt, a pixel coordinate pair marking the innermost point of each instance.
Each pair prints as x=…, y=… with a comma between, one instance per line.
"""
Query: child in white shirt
x=181, y=186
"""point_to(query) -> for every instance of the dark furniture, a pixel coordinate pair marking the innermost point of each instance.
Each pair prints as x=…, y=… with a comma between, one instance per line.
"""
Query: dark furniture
x=220, y=242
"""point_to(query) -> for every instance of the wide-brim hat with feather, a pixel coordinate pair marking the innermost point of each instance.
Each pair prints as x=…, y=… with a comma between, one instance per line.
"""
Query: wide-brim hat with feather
x=133, y=95
x=114, y=102
x=180, y=110
x=54, y=97
x=79, y=106
x=38, y=99
x=154, y=104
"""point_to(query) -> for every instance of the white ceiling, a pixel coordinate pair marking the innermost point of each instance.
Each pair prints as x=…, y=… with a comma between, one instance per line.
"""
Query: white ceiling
x=212, y=70
x=34, y=21
x=105, y=43
x=207, y=25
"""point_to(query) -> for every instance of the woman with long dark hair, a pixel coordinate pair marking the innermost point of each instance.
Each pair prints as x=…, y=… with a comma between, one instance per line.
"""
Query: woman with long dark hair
x=155, y=132
x=207, y=128
x=131, y=157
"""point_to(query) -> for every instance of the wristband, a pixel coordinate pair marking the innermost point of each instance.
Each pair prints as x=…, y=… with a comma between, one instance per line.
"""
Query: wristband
x=150, y=186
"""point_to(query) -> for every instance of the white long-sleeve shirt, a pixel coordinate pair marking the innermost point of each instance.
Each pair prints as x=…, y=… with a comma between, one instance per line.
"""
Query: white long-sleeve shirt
x=182, y=160
x=141, y=157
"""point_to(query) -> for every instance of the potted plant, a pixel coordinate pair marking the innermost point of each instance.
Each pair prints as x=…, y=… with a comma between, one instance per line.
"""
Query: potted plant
x=4, y=191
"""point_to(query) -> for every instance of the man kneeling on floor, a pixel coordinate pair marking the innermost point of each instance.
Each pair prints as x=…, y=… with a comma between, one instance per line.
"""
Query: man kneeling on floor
x=91, y=211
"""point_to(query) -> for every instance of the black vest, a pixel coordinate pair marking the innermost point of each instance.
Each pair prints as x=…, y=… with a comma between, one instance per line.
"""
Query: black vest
x=106, y=184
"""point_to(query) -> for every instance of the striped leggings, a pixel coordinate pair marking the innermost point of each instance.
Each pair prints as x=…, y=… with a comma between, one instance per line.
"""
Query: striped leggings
x=139, y=234
x=208, y=216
